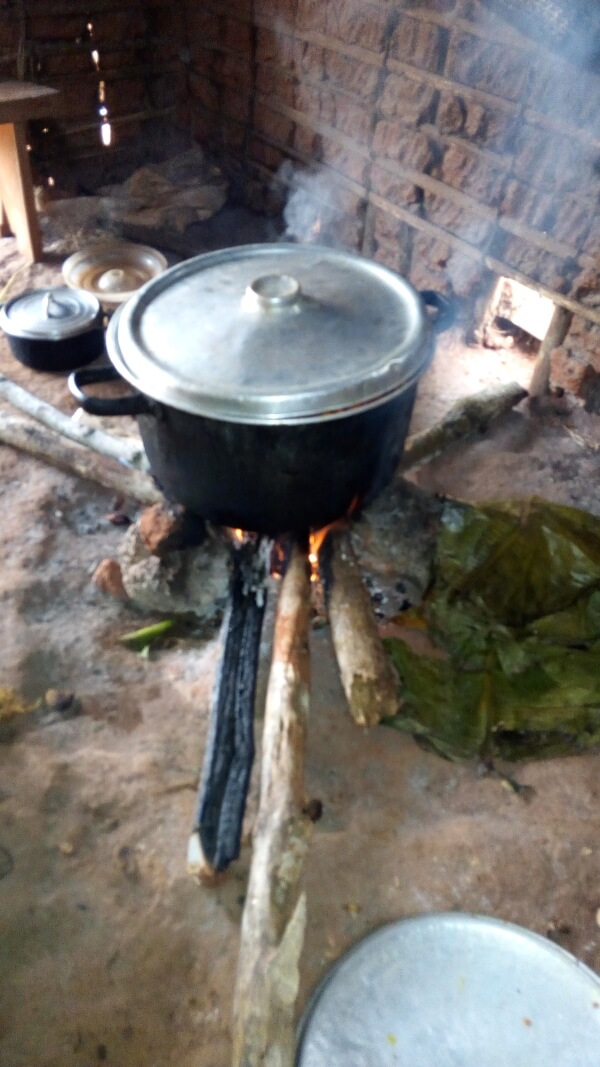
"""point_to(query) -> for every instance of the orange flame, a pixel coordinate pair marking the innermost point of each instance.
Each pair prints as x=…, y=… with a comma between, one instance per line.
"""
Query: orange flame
x=315, y=541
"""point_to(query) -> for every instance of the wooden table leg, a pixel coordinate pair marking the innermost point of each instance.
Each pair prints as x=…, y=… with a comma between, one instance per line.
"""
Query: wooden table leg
x=16, y=190
x=4, y=223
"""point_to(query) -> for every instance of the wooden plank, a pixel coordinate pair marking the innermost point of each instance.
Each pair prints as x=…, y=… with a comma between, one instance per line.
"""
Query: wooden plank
x=22, y=101
x=16, y=189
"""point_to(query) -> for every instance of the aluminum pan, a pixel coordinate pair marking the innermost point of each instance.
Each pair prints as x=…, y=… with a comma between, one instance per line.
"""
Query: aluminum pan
x=454, y=990
x=204, y=338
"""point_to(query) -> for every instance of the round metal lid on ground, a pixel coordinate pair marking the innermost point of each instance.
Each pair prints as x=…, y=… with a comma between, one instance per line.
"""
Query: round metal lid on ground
x=113, y=270
x=454, y=990
x=49, y=314
x=272, y=333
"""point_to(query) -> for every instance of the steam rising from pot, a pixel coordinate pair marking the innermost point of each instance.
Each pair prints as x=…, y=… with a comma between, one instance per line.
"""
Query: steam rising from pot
x=311, y=207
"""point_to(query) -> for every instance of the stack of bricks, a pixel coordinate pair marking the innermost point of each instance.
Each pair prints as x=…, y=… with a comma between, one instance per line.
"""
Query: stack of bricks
x=457, y=148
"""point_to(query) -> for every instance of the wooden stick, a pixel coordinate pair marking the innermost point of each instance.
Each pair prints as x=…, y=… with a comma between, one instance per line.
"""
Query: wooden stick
x=274, y=916
x=557, y=331
x=126, y=452
x=368, y=678
x=229, y=753
x=42, y=443
x=471, y=415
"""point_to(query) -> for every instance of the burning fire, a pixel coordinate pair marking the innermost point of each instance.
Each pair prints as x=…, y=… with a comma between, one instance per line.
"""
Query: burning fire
x=315, y=541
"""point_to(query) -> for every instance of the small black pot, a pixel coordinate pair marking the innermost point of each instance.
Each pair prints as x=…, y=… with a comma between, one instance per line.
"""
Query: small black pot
x=54, y=330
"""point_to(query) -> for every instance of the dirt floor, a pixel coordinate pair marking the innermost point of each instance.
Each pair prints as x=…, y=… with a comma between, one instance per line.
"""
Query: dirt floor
x=109, y=951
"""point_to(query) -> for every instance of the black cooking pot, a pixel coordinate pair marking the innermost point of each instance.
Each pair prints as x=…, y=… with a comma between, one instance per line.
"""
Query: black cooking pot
x=54, y=329
x=274, y=384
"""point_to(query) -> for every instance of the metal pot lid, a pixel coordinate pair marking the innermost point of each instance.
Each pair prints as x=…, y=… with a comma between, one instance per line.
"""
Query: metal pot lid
x=272, y=334
x=50, y=314
x=458, y=990
x=113, y=270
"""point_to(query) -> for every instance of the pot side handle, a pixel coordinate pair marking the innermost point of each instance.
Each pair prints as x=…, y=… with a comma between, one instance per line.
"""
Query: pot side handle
x=445, y=307
x=136, y=404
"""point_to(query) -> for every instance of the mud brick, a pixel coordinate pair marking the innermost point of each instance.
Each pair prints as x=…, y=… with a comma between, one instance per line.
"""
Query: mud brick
x=358, y=23
x=230, y=70
x=350, y=117
x=343, y=233
x=586, y=287
x=466, y=275
x=397, y=141
x=309, y=60
x=272, y=47
x=572, y=220
x=387, y=229
x=240, y=8
x=527, y=204
x=205, y=92
x=63, y=66
x=280, y=11
x=537, y=264
x=122, y=26
x=483, y=124
x=311, y=15
x=472, y=173
x=456, y=219
x=346, y=73
x=487, y=65
x=555, y=89
x=275, y=126
x=204, y=27
x=308, y=143
x=396, y=189
x=237, y=36
x=262, y=152
x=276, y=83
x=568, y=369
x=408, y=99
x=236, y=105
x=48, y=28
x=422, y=44
x=108, y=578
x=592, y=243
x=429, y=263
x=544, y=157
x=344, y=160
x=233, y=135
x=308, y=100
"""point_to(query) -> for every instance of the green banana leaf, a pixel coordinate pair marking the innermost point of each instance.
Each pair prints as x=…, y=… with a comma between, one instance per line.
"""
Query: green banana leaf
x=515, y=608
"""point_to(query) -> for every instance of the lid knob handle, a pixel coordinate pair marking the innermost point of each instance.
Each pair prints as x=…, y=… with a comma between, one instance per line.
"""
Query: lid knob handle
x=112, y=281
x=274, y=290
x=53, y=308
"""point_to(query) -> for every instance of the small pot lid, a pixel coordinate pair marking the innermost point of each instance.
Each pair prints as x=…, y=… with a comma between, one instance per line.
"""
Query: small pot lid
x=276, y=333
x=50, y=314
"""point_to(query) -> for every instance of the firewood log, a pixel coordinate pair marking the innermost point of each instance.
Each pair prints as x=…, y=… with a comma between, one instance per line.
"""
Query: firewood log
x=45, y=444
x=274, y=918
x=367, y=675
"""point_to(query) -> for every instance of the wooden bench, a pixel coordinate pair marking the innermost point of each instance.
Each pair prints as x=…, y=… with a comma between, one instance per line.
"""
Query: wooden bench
x=19, y=103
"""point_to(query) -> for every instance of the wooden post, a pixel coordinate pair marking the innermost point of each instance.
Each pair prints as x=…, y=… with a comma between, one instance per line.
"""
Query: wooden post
x=557, y=331
x=274, y=916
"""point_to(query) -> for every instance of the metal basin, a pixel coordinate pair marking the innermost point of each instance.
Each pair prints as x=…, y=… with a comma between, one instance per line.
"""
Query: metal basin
x=454, y=990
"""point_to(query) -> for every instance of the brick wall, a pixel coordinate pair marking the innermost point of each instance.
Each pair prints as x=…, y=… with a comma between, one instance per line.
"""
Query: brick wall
x=139, y=43
x=457, y=148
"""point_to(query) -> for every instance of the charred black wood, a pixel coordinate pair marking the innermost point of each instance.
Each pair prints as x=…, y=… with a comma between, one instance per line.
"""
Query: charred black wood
x=230, y=747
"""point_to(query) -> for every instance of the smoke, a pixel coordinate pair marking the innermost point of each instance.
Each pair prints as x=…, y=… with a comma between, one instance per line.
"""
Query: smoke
x=312, y=207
